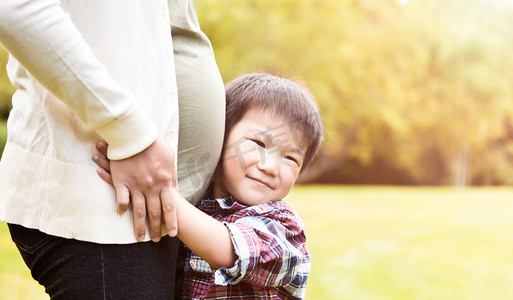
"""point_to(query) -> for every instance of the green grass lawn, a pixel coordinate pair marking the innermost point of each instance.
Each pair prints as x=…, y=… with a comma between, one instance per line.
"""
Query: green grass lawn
x=380, y=243
x=15, y=280
x=408, y=243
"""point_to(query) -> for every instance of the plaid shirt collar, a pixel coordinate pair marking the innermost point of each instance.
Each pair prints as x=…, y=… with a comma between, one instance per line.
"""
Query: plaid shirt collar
x=226, y=204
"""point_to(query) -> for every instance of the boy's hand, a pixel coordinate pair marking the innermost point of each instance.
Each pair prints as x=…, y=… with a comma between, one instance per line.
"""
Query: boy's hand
x=143, y=181
x=103, y=162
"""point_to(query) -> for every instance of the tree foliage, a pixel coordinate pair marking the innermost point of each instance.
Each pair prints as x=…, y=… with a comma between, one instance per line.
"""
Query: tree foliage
x=6, y=89
x=418, y=92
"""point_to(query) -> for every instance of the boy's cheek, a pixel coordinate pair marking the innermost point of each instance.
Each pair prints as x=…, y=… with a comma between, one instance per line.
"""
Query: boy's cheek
x=244, y=153
x=294, y=174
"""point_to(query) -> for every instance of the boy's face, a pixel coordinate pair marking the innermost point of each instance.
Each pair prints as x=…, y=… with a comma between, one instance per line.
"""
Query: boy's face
x=261, y=160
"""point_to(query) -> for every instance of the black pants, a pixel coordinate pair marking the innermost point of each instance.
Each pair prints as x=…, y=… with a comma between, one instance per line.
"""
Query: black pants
x=71, y=269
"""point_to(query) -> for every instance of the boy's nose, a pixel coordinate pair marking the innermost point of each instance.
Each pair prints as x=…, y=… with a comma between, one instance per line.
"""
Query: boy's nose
x=269, y=162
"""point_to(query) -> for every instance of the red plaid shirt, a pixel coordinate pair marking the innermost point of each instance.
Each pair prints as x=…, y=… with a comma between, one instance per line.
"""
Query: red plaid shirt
x=273, y=261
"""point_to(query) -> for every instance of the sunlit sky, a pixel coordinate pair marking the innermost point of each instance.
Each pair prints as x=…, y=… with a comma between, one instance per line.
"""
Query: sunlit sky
x=407, y=1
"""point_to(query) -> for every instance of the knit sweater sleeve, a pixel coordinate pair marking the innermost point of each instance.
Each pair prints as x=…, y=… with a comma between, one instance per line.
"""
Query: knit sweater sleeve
x=43, y=38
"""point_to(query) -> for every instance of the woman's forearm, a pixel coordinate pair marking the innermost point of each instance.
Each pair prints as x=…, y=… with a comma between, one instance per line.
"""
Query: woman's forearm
x=43, y=38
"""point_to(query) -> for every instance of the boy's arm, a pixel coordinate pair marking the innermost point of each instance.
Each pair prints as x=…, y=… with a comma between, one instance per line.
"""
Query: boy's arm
x=204, y=235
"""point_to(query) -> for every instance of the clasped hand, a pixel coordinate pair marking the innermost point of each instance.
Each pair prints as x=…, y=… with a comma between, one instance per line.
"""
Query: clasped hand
x=145, y=181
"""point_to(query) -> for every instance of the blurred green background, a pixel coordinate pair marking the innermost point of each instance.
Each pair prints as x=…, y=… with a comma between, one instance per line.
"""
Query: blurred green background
x=413, y=93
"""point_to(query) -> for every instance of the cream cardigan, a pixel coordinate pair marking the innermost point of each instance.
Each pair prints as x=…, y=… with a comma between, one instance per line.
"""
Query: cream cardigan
x=83, y=70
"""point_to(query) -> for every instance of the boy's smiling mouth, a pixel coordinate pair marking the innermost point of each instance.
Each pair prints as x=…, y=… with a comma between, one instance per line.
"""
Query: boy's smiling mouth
x=261, y=182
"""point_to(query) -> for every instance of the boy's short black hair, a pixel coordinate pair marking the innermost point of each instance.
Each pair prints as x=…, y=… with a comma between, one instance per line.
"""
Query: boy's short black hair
x=281, y=97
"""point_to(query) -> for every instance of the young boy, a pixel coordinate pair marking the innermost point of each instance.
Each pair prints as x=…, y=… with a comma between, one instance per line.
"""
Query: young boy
x=251, y=244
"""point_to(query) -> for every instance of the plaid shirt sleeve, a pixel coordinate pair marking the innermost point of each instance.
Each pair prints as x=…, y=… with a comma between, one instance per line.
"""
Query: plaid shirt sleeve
x=270, y=242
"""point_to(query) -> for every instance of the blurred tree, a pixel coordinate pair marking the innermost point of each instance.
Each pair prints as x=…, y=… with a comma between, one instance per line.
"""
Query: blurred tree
x=416, y=88
x=466, y=81
x=6, y=89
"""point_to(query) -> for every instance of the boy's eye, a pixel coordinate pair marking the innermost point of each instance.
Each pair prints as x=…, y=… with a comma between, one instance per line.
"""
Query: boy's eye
x=291, y=158
x=259, y=143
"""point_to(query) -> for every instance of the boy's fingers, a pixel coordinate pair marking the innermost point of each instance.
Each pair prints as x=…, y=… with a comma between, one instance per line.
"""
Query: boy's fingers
x=105, y=176
x=102, y=147
x=102, y=162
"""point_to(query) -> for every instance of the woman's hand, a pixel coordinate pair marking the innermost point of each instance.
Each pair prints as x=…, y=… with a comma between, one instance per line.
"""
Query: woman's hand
x=161, y=208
